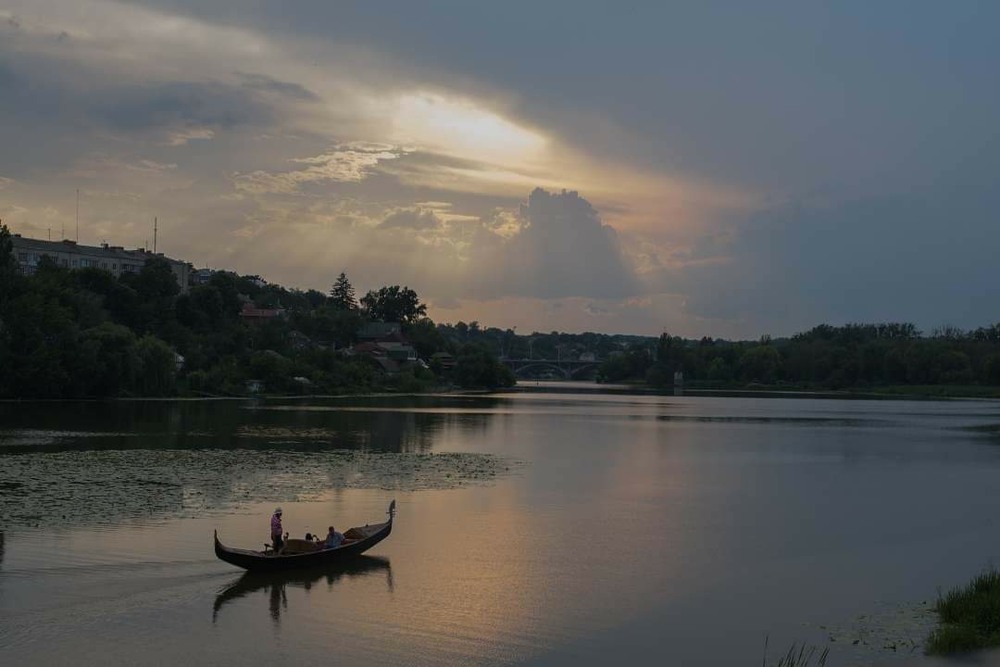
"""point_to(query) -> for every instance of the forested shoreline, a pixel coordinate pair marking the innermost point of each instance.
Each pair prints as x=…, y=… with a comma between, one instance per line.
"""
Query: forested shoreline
x=83, y=333
x=890, y=356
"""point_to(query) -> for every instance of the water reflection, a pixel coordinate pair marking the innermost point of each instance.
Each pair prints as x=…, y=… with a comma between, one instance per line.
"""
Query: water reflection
x=274, y=585
x=99, y=461
x=389, y=424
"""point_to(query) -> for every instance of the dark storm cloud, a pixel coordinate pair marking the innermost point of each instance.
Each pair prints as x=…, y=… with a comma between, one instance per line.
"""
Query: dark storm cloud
x=877, y=120
x=780, y=94
x=924, y=257
x=142, y=107
x=262, y=83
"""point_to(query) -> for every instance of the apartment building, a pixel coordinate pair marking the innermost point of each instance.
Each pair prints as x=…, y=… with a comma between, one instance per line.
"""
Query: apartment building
x=70, y=254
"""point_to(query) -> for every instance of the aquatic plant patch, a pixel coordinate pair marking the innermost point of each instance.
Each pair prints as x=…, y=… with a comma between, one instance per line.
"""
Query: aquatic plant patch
x=41, y=489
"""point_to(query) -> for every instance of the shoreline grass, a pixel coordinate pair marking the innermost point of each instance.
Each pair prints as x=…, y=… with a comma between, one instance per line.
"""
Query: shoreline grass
x=798, y=655
x=969, y=617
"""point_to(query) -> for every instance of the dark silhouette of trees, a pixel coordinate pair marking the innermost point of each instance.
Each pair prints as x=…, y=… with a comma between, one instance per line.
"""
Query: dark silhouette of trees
x=393, y=304
x=342, y=294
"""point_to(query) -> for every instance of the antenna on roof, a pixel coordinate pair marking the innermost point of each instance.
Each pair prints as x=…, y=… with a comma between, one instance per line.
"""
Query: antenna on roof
x=154, y=234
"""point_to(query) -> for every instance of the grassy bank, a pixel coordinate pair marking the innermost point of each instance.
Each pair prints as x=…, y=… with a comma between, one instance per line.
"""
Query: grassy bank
x=937, y=391
x=969, y=616
x=856, y=391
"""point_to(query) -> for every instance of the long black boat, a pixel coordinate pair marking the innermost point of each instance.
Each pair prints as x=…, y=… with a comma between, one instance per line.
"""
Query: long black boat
x=299, y=554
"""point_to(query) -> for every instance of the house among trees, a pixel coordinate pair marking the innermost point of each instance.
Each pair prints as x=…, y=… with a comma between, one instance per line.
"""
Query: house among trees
x=385, y=344
x=443, y=360
x=253, y=315
x=381, y=331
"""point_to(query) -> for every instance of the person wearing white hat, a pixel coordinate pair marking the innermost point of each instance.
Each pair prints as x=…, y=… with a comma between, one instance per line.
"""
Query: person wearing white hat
x=277, y=542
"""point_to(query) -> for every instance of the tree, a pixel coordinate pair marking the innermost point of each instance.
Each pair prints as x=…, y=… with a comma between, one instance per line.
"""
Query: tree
x=425, y=338
x=8, y=264
x=477, y=367
x=760, y=364
x=393, y=304
x=342, y=294
x=157, y=367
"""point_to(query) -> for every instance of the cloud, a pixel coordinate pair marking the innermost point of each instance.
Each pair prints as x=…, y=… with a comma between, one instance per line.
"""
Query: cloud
x=182, y=137
x=180, y=105
x=413, y=219
x=287, y=89
x=348, y=162
x=561, y=249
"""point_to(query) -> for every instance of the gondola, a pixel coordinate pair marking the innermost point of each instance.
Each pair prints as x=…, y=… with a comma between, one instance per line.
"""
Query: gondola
x=299, y=554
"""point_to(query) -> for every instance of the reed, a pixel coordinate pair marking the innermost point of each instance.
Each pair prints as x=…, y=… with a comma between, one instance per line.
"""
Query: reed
x=969, y=616
x=798, y=656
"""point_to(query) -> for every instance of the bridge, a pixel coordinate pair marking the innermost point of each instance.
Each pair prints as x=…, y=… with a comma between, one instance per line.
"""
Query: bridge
x=567, y=369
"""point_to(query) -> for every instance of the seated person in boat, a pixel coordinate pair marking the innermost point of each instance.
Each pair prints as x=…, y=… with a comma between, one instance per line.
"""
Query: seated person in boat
x=333, y=539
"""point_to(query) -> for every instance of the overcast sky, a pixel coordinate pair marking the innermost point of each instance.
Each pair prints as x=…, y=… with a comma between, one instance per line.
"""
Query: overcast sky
x=703, y=168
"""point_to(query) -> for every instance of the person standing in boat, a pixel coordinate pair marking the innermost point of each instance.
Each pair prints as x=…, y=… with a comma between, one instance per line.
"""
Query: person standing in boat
x=276, y=531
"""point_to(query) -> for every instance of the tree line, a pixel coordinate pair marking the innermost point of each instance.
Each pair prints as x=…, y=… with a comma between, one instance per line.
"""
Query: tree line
x=827, y=357
x=84, y=333
x=72, y=333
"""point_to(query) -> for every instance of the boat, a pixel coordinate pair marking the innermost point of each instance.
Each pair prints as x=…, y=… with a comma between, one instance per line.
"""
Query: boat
x=302, y=554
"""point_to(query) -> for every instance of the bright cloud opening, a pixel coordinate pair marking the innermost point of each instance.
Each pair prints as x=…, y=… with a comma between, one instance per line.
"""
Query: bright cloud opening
x=458, y=126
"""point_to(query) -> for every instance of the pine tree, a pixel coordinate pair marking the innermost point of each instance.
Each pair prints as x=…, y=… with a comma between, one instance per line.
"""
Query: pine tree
x=342, y=294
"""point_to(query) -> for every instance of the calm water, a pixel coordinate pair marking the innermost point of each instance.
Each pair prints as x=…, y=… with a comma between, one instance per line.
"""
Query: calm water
x=553, y=528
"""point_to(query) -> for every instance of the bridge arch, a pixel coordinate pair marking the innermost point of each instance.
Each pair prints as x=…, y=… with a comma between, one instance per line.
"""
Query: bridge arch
x=568, y=370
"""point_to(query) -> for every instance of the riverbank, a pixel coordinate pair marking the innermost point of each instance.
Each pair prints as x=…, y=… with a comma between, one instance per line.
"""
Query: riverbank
x=786, y=390
x=969, y=617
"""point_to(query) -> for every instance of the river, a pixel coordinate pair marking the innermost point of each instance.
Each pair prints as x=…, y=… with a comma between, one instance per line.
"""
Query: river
x=561, y=526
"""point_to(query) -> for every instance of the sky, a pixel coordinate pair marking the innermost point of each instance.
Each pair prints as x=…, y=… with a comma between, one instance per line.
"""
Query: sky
x=702, y=168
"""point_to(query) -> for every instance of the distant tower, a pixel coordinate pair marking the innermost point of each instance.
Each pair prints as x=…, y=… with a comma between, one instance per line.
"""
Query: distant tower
x=154, y=235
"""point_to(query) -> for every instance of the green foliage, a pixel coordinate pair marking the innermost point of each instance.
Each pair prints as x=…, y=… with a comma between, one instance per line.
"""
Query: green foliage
x=867, y=356
x=760, y=364
x=969, y=616
x=342, y=295
x=79, y=333
x=157, y=371
x=800, y=656
x=393, y=304
x=110, y=361
x=477, y=367
x=425, y=337
x=991, y=369
x=627, y=365
x=8, y=265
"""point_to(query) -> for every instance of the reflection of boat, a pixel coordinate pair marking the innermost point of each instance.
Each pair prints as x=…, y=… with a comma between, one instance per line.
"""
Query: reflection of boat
x=276, y=582
x=305, y=555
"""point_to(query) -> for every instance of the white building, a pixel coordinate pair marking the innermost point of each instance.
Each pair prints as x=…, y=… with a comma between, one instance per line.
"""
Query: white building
x=71, y=255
